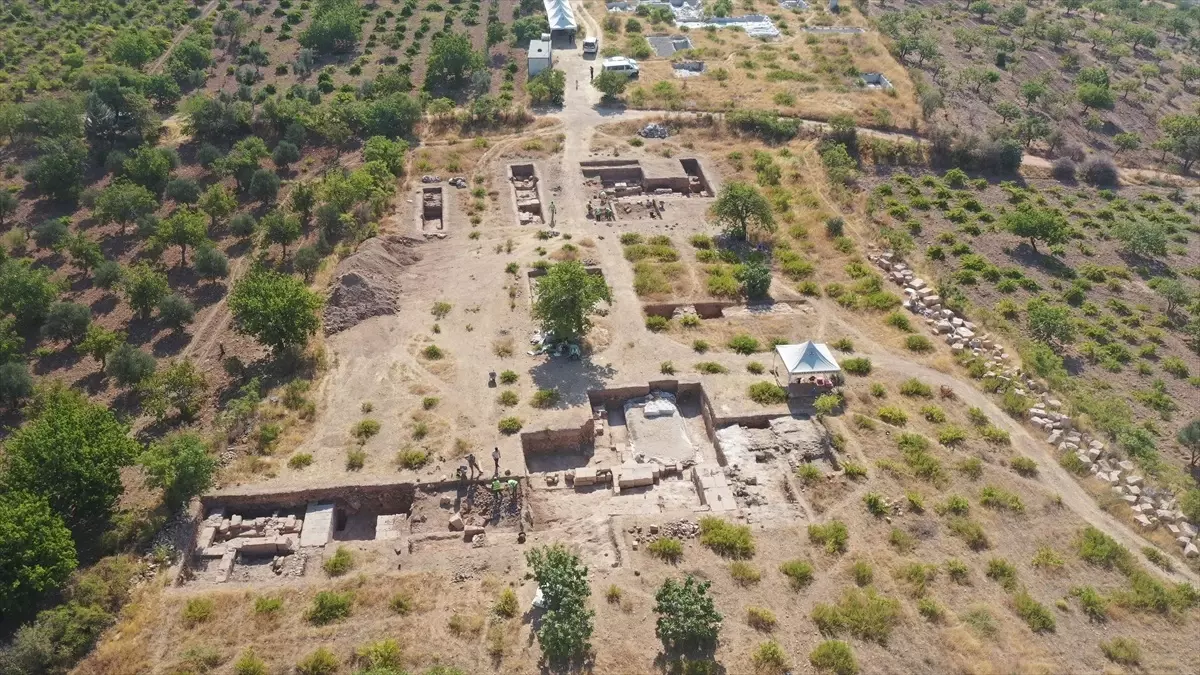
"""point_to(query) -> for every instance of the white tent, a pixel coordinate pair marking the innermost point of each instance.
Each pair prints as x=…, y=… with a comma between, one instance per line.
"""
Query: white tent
x=560, y=15
x=807, y=359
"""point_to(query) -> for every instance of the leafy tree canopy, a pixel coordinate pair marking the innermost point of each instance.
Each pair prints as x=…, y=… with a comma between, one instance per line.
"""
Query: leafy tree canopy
x=276, y=309
x=37, y=553
x=565, y=298
x=740, y=207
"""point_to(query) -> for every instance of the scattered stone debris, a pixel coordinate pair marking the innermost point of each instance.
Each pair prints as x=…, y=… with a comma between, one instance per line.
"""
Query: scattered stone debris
x=654, y=130
x=431, y=179
x=458, y=182
x=1152, y=506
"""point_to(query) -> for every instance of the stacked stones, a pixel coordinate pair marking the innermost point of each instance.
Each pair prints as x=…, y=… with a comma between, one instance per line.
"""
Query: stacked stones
x=1152, y=506
x=225, y=537
x=682, y=529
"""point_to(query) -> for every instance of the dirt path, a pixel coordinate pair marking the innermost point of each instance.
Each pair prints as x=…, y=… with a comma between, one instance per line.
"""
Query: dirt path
x=162, y=60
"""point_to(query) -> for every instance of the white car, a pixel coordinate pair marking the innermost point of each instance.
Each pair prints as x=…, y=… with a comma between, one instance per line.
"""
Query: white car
x=621, y=64
x=591, y=45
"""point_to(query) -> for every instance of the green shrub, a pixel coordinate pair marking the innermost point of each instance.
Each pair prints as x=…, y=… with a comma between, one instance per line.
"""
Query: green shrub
x=1158, y=558
x=1047, y=558
x=328, y=607
x=928, y=608
x=267, y=605
x=412, y=458
x=1002, y=572
x=744, y=344
x=320, y=662
x=656, y=324
x=955, y=505
x=700, y=346
x=300, y=460
x=506, y=605
x=249, y=664
x=744, y=574
x=862, y=613
x=725, y=538
x=711, y=368
x=767, y=393
x=544, y=398
x=972, y=468
x=401, y=603
x=770, y=658
x=843, y=345
x=760, y=618
x=433, y=352
x=832, y=535
x=875, y=504
x=998, y=498
x=854, y=471
x=951, y=435
x=355, y=459
x=834, y=656
x=1101, y=550
x=857, y=366
x=958, y=571
x=878, y=390
x=798, y=572
x=808, y=473
x=995, y=435
x=430, y=402
x=197, y=611
x=970, y=531
x=508, y=397
x=755, y=368
x=508, y=377
x=916, y=388
x=365, y=429
x=899, y=320
x=933, y=414
x=901, y=540
x=668, y=549
x=510, y=425
x=917, y=576
x=1122, y=650
x=893, y=415
x=666, y=368
x=1036, y=616
x=341, y=562
x=1024, y=466
x=918, y=344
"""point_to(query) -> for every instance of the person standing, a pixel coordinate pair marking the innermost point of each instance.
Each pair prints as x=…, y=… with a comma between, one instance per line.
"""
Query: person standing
x=496, y=459
x=591, y=73
x=473, y=465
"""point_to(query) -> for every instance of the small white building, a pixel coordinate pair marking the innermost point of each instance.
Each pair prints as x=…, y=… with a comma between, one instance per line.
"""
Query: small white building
x=540, y=56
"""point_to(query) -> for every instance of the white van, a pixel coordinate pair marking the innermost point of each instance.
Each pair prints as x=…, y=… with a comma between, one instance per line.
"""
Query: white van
x=621, y=64
x=591, y=45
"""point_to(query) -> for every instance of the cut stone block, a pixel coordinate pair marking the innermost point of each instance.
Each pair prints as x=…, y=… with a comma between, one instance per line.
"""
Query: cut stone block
x=1190, y=551
x=635, y=476
x=585, y=476
x=207, y=534
x=1144, y=521
x=472, y=531
x=456, y=522
x=318, y=525
x=258, y=546
x=1133, y=480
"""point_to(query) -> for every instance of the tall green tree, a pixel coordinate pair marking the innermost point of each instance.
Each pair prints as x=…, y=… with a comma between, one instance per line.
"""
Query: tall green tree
x=218, y=203
x=123, y=202
x=565, y=297
x=1189, y=438
x=179, y=387
x=452, y=60
x=70, y=451
x=181, y=466
x=185, y=227
x=276, y=309
x=1035, y=224
x=99, y=342
x=280, y=228
x=26, y=291
x=740, y=207
x=58, y=169
x=144, y=287
x=37, y=554
x=687, y=618
x=150, y=167
x=336, y=27
x=1049, y=323
x=567, y=623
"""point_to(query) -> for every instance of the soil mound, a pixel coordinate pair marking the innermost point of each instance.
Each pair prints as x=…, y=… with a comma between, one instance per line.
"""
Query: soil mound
x=367, y=283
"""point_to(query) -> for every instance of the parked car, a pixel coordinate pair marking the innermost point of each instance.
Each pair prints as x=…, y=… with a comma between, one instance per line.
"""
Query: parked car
x=591, y=45
x=621, y=64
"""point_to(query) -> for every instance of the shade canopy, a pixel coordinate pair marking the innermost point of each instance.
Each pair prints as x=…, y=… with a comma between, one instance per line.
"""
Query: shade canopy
x=560, y=15
x=808, y=358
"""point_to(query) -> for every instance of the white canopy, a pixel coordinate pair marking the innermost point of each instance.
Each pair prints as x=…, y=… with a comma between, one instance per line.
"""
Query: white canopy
x=560, y=15
x=808, y=358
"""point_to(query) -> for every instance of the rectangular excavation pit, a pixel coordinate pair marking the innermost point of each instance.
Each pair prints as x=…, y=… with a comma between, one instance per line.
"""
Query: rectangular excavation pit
x=619, y=178
x=527, y=198
x=551, y=450
x=698, y=182
x=433, y=210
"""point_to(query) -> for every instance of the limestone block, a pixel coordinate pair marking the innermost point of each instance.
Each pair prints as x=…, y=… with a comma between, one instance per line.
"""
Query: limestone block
x=1133, y=480
x=258, y=546
x=1183, y=541
x=235, y=522
x=585, y=476
x=456, y=522
x=1165, y=515
x=1125, y=465
x=1143, y=521
x=1130, y=499
x=1173, y=529
x=207, y=534
x=1134, y=490
x=472, y=531
x=1187, y=529
x=1190, y=551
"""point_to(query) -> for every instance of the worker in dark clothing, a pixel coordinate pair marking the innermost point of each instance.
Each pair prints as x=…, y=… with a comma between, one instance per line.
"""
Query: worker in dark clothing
x=591, y=73
x=473, y=466
x=496, y=459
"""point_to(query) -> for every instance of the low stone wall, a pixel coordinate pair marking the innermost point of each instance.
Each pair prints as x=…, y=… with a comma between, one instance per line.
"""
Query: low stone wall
x=559, y=440
x=713, y=309
x=382, y=497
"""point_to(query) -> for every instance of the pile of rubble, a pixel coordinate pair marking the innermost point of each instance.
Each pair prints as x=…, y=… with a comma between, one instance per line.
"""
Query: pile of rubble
x=1152, y=506
x=431, y=179
x=681, y=530
x=654, y=130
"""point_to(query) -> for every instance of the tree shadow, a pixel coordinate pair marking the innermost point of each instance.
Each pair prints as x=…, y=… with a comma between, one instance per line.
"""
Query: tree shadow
x=171, y=344
x=63, y=359
x=1026, y=256
x=140, y=330
x=105, y=304
x=208, y=294
x=92, y=383
x=674, y=662
x=572, y=378
x=1145, y=267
